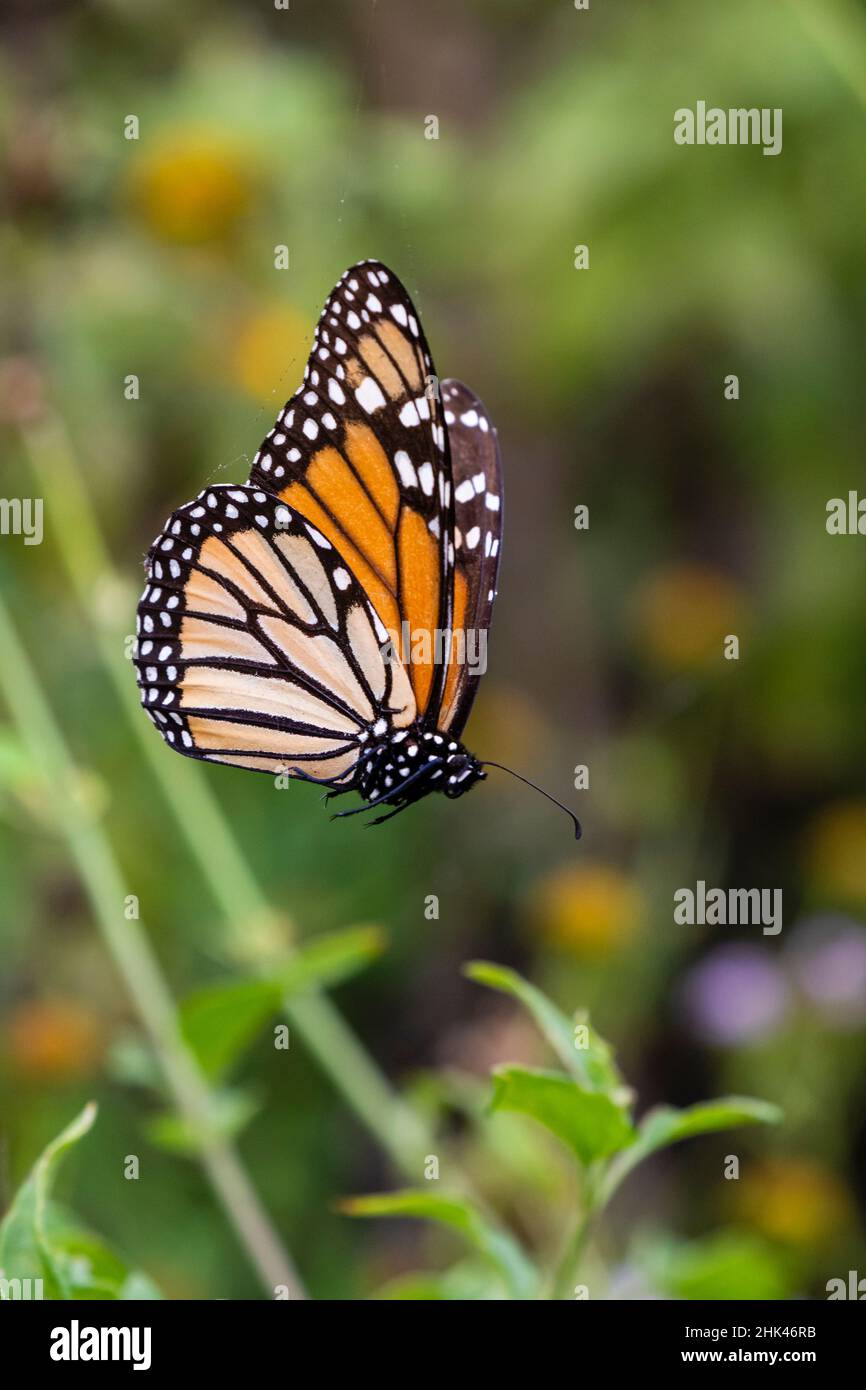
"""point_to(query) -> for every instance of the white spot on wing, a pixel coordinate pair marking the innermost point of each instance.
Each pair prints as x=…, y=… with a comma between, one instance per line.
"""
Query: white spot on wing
x=317, y=536
x=405, y=468
x=369, y=396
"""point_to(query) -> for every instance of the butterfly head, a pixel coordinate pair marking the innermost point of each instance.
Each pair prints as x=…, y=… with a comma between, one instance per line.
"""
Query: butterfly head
x=462, y=771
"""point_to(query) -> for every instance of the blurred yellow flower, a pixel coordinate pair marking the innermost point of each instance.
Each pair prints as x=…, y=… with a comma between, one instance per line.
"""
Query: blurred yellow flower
x=53, y=1040
x=267, y=352
x=507, y=720
x=837, y=851
x=683, y=613
x=193, y=188
x=792, y=1199
x=589, y=909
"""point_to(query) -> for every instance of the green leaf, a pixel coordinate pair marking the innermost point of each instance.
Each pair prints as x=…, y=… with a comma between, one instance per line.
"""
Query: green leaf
x=90, y=1267
x=39, y=1240
x=220, y=1021
x=468, y=1281
x=230, y=1113
x=331, y=958
x=725, y=1265
x=590, y=1064
x=138, y=1287
x=132, y=1061
x=413, y=1288
x=664, y=1126
x=26, y=1250
x=590, y=1123
x=462, y=1216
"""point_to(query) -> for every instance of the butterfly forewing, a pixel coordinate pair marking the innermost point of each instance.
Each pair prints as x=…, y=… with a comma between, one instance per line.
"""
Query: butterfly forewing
x=257, y=645
x=362, y=451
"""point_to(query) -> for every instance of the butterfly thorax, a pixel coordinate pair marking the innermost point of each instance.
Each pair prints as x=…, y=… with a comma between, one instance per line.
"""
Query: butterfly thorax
x=411, y=763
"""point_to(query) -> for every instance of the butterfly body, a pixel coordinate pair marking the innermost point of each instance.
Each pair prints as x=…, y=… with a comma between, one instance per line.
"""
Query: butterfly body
x=327, y=620
x=413, y=762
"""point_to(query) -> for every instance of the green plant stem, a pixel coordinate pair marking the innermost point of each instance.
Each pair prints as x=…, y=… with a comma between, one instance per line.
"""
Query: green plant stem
x=130, y=949
x=566, y=1273
x=568, y=1269
x=565, y=1278
x=394, y=1124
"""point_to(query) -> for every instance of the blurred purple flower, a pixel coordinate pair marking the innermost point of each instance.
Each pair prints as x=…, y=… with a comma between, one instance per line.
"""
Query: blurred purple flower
x=827, y=957
x=735, y=994
x=628, y=1283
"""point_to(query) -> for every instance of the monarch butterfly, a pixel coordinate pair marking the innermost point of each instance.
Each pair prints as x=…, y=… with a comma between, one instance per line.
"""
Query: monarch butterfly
x=315, y=620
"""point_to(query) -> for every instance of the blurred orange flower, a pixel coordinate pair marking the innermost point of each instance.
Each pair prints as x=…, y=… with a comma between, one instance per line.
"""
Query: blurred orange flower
x=793, y=1199
x=268, y=350
x=192, y=188
x=836, y=852
x=683, y=613
x=589, y=909
x=50, y=1040
x=22, y=399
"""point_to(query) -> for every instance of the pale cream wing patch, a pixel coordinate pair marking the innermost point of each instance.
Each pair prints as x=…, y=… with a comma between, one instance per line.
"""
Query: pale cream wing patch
x=257, y=646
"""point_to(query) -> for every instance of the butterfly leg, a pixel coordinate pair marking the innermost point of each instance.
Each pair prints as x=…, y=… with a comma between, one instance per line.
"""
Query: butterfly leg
x=389, y=797
x=355, y=811
x=380, y=820
x=317, y=781
x=343, y=791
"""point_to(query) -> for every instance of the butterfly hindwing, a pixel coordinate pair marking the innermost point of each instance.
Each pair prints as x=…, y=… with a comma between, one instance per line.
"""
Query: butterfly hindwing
x=257, y=645
x=361, y=450
x=478, y=513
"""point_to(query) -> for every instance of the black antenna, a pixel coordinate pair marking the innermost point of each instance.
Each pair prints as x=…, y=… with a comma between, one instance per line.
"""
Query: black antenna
x=503, y=768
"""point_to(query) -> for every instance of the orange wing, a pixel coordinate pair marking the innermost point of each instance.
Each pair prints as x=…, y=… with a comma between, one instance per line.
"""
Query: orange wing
x=361, y=450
